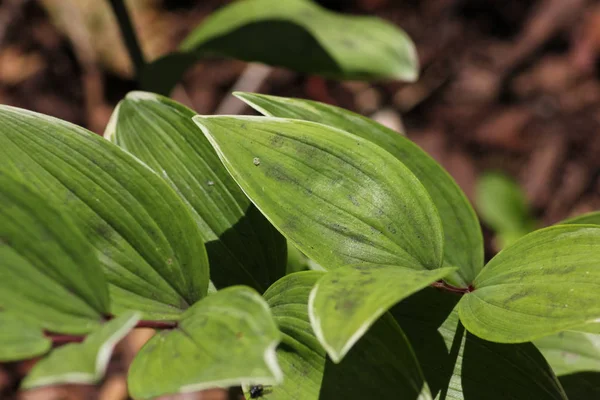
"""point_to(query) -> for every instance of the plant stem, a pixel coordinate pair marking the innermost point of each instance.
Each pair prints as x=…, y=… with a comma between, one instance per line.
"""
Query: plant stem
x=129, y=36
x=444, y=286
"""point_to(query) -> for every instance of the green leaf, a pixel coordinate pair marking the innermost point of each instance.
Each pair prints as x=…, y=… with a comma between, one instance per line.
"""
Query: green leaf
x=296, y=261
x=380, y=366
x=570, y=352
x=589, y=218
x=460, y=366
x=226, y=339
x=502, y=206
x=82, y=363
x=20, y=339
x=149, y=245
x=49, y=274
x=346, y=302
x=546, y=282
x=463, y=242
x=582, y=385
x=243, y=247
x=371, y=208
x=295, y=34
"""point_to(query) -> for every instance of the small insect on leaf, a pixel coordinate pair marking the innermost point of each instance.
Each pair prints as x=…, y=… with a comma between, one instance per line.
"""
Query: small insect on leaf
x=256, y=391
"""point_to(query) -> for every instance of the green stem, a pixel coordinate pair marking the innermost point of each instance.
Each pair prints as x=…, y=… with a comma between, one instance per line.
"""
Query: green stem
x=129, y=36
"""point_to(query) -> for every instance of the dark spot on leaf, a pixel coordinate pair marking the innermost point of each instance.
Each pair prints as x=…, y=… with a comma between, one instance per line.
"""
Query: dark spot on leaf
x=277, y=141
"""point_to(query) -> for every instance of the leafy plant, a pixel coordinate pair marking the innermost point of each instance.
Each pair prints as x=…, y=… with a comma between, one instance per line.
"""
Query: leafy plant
x=386, y=318
x=296, y=34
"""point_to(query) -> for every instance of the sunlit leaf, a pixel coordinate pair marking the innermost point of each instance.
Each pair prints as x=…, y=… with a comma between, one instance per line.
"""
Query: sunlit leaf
x=243, y=247
x=295, y=34
x=371, y=208
x=49, y=274
x=226, y=339
x=380, y=366
x=463, y=243
x=347, y=301
x=142, y=232
x=544, y=283
x=82, y=363
x=588, y=218
x=20, y=339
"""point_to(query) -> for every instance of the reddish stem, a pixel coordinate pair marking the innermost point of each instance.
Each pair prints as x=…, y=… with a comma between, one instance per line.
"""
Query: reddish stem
x=157, y=324
x=58, y=339
x=444, y=286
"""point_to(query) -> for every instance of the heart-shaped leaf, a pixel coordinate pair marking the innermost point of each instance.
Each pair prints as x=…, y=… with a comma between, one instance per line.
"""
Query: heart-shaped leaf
x=347, y=301
x=20, y=339
x=226, y=339
x=295, y=34
x=243, y=247
x=371, y=208
x=569, y=352
x=380, y=366
x=544, y=283
x=463, y=242
x=82, y=363
x=49, y=274
x=460, y=366
x=142, y=232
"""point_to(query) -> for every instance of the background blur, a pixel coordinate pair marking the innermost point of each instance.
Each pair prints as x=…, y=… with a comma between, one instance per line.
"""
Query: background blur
x=509, y=85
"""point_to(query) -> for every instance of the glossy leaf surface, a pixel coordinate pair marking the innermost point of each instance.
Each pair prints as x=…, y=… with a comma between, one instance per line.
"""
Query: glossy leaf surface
x=347, y=301
x=546, y=282
x=82, y=363
x=243, y=247
x=371, y=207
x=295, y=34
x=149, y=245
x=49, y=274
x=463, y=242
x=226, y=339
x=381, y=365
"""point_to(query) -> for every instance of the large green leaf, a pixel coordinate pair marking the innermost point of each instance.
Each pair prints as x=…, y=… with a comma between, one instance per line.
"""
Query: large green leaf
x=82, y=363
x=546, y=282
x=243, y=247
x=347, y=301
x=503, y=207
x=295, y=34
x=339, y=198
x=380, y=366
x=144, y=235
x=463, y=242
x=20, y=339
x=570, y=352
x=226, y=339
x=458, y=365
x=588, y=218
x=48, y=272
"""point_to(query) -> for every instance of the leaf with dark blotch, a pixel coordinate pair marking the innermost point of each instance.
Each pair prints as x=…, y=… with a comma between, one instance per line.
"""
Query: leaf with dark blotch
x=226, y=339
x=371, y=207
x=49, y=273
x=145, y=237
x=295, y=34
x=243, y=247
x=381, y=365
x=544, y=283
x=463, y=242
x=347, y=301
